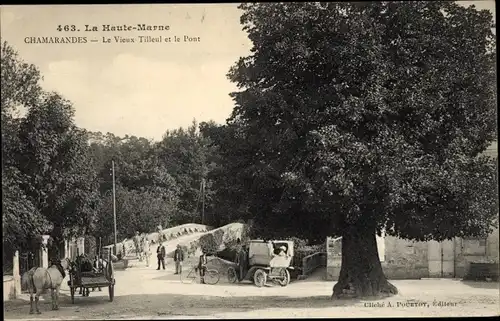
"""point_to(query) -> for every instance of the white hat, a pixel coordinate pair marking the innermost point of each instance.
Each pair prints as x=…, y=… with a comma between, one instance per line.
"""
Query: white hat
x=283, y=248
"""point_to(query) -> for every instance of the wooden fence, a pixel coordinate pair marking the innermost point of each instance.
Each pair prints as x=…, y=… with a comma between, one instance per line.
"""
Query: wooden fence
x=311, y=263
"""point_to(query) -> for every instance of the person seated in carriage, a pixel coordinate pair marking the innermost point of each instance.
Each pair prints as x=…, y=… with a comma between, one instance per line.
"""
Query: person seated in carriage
x=279, y=250
x=282, y=251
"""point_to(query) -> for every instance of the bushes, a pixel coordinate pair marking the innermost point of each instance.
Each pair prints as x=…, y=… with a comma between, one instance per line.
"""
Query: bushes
x=230, y=251
x=301, y=249
x=218, y=237
x=212, y=241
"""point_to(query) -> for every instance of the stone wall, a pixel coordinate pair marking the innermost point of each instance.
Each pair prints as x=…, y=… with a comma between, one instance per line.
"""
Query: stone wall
x=9, y=288
x=169, y=234
x=403, y=259
x=492, y=246
x=400, y=259
x=475, y=250
x=214, y=240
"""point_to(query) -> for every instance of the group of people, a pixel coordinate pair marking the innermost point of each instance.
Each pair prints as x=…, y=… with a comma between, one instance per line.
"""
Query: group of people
x=142, y=247
x=179, y=259
x=242, y=259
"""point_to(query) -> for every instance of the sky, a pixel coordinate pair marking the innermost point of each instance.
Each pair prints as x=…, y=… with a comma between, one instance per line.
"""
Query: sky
x=140, y=89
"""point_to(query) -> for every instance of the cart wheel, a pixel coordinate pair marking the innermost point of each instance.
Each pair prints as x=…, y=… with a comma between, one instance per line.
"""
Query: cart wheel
x=284, y=277
x=260, y=278
x=231, y=275
x=111, y=292
x=72, y=291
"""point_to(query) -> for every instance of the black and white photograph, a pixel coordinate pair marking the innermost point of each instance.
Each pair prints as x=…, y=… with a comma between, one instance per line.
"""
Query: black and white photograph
x=249, y=160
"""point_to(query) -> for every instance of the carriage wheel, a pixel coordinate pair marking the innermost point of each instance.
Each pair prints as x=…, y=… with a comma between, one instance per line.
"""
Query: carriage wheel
x=72, y=291
x=111, y=292
x=260, y=278
x=284, y=277
x=232, y=277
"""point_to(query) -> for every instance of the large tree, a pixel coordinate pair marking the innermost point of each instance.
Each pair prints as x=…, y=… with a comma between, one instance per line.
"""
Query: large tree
x=184, y=153
x=229, y=201
x=54, y=156
x=47, y=178
x=357, y=117
x=146, y=194
x=22, y=221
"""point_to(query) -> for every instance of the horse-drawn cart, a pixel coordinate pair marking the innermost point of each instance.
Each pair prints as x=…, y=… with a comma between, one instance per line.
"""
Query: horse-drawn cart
x=100, y=276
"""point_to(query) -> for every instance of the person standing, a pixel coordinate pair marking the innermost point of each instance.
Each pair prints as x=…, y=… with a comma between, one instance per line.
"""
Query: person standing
x=160, y=253
x=137, y=241
x=242, y=261
x=178, y=258
x=146, y=250
x=202, y=266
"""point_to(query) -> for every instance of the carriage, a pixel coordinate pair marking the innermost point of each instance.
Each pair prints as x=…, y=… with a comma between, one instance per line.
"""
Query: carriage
x=101, y=277
x=264, y=263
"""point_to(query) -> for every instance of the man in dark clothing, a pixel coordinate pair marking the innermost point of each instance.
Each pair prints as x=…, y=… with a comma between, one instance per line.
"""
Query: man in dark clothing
x=160, y=253
x=242, y=261
x=202, y=266
x=178, y=258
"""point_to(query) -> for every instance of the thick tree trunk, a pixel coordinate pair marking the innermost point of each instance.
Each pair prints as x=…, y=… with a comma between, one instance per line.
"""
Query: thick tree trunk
x=361, y=272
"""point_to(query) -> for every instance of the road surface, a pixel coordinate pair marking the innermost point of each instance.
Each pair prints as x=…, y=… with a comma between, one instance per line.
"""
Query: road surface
x=145, y=293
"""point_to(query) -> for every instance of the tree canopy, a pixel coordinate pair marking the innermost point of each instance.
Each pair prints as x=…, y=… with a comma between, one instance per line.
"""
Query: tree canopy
x=353, y=118
x=46, y=176
x=352, y=112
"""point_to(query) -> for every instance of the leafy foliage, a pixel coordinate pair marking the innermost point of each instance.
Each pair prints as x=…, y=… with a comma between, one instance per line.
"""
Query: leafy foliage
x=21, y=220
x=53, y=155
x=135, y=211
x=353, y=113
x=44, y=180
x=186, y=155
x=19, y=82
x=146, y=194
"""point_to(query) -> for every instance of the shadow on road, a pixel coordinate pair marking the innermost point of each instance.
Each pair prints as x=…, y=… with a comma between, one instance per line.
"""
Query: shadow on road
x=482, y=284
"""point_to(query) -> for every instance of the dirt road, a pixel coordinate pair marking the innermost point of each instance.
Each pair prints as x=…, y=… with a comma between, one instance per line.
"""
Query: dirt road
x=147, y=293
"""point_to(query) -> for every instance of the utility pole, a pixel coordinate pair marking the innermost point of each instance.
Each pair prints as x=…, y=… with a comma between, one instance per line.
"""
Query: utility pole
x=203, y=201
x=114, y=203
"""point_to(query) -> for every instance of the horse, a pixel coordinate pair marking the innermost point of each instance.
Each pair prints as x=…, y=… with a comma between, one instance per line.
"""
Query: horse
x=39, y=279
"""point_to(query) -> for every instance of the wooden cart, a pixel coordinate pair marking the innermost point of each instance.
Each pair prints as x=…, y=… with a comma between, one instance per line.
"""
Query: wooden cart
x=103, y=277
